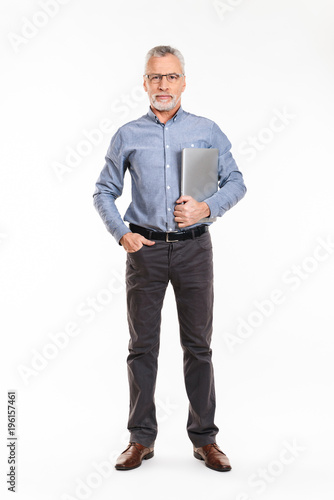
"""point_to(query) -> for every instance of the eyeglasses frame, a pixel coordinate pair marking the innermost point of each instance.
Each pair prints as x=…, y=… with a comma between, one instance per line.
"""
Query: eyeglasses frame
x=161, y=76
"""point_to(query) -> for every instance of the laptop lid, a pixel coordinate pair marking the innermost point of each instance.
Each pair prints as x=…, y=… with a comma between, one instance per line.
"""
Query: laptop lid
x=199, y=174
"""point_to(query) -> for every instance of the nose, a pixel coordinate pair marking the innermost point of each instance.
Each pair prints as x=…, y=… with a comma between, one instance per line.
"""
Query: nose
x=164, y=83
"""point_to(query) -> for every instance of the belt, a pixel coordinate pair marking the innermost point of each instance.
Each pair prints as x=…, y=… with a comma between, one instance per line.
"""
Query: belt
x=170, y=236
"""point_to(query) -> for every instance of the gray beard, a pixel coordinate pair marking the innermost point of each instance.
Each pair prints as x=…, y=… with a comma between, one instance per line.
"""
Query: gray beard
x=160, y=106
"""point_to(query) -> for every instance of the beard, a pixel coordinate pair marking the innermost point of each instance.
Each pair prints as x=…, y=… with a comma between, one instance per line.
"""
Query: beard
x=164, y=106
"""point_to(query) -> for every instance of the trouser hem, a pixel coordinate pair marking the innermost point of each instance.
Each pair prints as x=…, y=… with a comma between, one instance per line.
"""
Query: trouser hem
x=143, y=441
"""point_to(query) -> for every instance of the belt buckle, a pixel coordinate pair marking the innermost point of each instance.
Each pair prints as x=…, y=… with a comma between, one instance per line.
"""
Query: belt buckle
x=167, y=237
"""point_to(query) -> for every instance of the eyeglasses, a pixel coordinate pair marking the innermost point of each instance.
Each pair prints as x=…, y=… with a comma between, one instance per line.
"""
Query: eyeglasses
x=171, y=77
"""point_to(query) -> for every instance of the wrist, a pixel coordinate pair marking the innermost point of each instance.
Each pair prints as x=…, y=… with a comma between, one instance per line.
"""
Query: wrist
x=123, y=238
x=206, y=209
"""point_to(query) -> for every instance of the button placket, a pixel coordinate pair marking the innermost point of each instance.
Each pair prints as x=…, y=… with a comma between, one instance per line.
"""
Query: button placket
x=169, y=213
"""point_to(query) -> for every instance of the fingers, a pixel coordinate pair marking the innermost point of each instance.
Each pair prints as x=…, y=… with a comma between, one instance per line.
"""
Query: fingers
x=179, y=217
x=146, y=242
x=183, y=199
x=190, y=211
x=132, y=242
x=183, y=224
x=138, y=241
x=180, y=210
x=181, y=213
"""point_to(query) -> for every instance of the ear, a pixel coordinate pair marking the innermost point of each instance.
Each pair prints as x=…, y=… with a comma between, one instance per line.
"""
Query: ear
x=184, y=84
x=145, y=84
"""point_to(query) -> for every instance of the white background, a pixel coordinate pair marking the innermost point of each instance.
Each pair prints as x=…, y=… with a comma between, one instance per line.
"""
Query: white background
x=246, y=61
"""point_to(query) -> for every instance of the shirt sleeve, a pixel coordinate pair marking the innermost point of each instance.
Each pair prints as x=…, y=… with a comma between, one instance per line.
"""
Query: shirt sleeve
x=109, y=187
x=231, y=184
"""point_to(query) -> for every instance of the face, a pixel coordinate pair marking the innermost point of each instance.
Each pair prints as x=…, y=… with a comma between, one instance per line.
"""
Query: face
x=165, y=95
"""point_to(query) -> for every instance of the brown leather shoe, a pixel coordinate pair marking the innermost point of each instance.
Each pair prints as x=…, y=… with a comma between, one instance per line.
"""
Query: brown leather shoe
x=132, y=457
x=213, y=457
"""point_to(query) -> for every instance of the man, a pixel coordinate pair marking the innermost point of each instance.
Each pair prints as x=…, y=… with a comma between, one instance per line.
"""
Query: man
x=166, y=242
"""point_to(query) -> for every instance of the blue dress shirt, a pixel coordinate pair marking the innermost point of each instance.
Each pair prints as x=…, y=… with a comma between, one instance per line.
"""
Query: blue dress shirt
x=151, y=152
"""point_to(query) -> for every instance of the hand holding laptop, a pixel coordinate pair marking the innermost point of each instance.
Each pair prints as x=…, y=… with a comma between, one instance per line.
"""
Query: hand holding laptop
x=188, y=211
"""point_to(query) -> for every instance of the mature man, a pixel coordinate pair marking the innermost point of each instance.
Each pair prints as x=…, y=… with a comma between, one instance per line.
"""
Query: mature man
x=166, y=242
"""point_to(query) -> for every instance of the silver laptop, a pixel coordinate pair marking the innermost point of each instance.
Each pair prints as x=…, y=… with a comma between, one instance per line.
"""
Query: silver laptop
x=199, y=174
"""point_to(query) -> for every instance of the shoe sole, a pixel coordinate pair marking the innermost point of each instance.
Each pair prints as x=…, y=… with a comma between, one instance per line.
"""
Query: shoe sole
x=146, y=457
x=199, y=457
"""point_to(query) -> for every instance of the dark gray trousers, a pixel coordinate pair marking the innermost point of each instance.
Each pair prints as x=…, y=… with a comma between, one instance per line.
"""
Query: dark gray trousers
x=188, y=266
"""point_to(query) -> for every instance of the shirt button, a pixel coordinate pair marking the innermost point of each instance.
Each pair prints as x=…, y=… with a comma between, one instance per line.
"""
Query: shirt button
x=192, y=145
x=170, y=229
x=169, y=209
x=168, y=187
x=167, y=146
x=167, y=166
x=166, y=128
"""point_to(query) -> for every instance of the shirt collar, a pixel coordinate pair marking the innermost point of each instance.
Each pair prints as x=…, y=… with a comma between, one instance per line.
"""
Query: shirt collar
x=154, y=117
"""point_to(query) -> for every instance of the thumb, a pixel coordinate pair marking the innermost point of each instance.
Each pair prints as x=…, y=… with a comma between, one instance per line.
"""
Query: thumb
x=148, y=243
x=184, y=198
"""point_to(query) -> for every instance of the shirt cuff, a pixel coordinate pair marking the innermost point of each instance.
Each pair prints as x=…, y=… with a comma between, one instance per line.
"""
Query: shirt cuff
x=119, y=232
x=213, y=204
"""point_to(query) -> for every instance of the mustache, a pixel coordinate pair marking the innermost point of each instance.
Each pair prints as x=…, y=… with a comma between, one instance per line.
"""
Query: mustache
x=157, y=95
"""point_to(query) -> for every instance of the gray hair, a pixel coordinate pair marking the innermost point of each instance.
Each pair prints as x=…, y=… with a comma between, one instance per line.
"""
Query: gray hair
x=161, y=51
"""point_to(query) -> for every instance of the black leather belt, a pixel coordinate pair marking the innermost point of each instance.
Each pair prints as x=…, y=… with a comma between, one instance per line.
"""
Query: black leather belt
x=170, y=236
